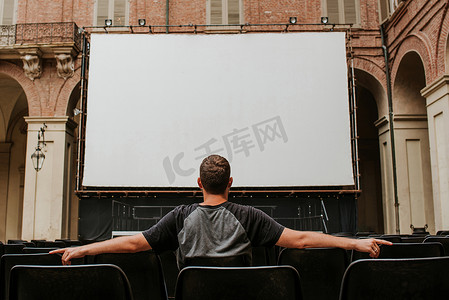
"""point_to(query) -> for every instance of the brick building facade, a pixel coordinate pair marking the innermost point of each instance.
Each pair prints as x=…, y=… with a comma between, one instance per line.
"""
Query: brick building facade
x=399, y=56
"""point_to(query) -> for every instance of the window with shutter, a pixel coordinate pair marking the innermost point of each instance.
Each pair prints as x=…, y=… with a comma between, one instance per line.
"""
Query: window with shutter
x=7, y=12
x=116, y=10
x=224, y=12
x=384, y=9
x=342, y=11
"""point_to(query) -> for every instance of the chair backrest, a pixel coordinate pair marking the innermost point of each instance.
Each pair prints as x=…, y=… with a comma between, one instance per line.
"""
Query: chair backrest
x=443, y=232
x=226, y=261
x=8, y=261
x=404, y=250
x=320, y=269
x=13, y=248
x=238, y=283
x=69, y=282
x=50, y=244
x=143, y=270
x=70, y=243
x=170, y=270
x=413, y=278
x=263, y=256
x=29, y=250
x=439, y=239
x=413, y=239
x=412, y=250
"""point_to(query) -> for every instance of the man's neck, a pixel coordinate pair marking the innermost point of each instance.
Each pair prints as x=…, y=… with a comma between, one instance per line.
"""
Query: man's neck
x=210, y=199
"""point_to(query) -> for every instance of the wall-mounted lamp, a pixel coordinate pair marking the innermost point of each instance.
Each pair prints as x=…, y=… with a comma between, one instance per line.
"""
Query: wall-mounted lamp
x=38, y=156
x=324, y=20
x=108, y=22
x=76, y=111
x=142, y=22
x=293, y=20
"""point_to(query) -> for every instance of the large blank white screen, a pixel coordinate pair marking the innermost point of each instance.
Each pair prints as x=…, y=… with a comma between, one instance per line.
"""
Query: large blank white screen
x=155, y=101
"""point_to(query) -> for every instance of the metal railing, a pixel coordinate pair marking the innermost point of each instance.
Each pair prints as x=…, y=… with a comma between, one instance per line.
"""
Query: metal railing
x=40, y=33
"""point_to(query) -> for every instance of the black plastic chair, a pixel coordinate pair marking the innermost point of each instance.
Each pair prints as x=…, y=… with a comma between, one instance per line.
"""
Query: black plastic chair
x=170, y=270
x=404, y=250
x=13, y=242
x=244, y=283
x=413, y=239
x=8, y=261
x=13, y=248
x=29, y=250
x=69, y=283
x=143, y=270
x=50, y=244
x=443, y=232
x=414, y=278
x=320, y=269
x=439, y=239
x=263, y=256
x=226, y=261
x=70, y=243
x=391, y=238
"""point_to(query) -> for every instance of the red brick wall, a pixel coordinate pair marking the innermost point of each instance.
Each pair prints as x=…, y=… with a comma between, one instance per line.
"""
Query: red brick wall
x=417, y=25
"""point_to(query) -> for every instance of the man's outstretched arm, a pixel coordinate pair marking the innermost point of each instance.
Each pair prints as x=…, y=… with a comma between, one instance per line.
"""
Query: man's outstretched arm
x=307, y=239
x=124, y=244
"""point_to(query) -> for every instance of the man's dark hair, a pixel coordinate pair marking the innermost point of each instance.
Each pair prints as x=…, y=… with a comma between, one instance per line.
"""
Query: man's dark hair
x=214, y=174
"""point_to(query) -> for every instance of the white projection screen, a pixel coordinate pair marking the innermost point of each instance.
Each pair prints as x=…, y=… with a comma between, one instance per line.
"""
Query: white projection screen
x=274, y=104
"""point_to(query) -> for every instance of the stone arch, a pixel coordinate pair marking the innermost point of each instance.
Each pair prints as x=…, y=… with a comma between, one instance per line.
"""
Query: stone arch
x=409, y=80
x=442, y=50
x=32, y=95
x=373, y=79
x=414, y=43
x=371, y=102
x=63, y=101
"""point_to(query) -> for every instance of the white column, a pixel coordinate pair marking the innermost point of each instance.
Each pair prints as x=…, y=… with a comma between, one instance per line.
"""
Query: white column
x=45, y=192
x=437, y=98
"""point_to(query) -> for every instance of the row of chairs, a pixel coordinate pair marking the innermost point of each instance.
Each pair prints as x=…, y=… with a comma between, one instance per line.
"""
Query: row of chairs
x=321, y=270
x=417, y=278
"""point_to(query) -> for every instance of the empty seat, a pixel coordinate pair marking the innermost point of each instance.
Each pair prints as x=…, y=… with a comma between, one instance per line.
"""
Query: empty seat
x=413, y=239
x=8, y=261
x=170, y=270
x=320, y=269
x=13, y=248
x=414, y=278
x=391, y=238
x=70, y=243
x=69, y=282
x=50, y=244
x=143, y=270
x=443, y=232
x=439, y=239
x=404, y=250
x=227, y=261
x=29, y=250
x=238, y=283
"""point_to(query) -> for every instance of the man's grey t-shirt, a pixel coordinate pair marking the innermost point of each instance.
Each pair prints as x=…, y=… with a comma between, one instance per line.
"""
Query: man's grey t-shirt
x=224, y=230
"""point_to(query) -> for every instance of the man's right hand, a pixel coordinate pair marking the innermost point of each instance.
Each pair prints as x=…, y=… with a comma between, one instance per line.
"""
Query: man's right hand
x=69, y=253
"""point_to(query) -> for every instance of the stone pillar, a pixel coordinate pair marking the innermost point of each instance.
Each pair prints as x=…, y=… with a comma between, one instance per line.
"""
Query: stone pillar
x=5, y=153
x=437, y=99
x=414, y=183
x=45, y=194
x=386, y=168
x=414, y=173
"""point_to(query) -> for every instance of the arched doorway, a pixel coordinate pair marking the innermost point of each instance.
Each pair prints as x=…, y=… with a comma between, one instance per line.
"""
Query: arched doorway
x=13, y=136
x=412, y=145
x=369, y=95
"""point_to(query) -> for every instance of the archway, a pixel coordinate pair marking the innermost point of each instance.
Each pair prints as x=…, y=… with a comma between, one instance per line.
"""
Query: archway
x=412, y=145
x=369, y=95
x=13, y=136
